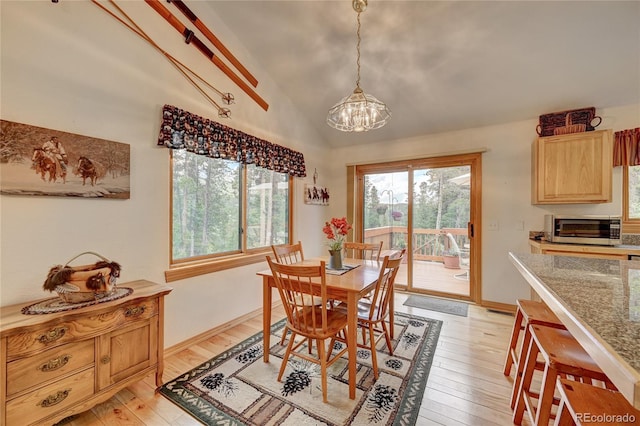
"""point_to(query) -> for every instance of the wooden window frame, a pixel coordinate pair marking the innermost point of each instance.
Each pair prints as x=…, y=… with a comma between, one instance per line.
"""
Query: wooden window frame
x=201, y=265
x=629, y=226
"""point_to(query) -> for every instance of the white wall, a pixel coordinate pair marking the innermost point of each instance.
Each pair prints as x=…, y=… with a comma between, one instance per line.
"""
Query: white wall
x=506, y=187
x=71, y=67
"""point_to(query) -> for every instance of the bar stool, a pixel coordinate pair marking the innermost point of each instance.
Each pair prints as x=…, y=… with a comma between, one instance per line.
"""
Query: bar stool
x=585, y=404
x=562, y=355
x=528, y=312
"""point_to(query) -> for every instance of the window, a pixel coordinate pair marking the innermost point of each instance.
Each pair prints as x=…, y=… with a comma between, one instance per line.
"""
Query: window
x=626, y=153
x=230, y=194
x=631, y=200
x=222, y=209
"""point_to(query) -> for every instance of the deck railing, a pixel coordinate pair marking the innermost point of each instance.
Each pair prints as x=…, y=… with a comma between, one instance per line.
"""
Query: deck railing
x=427, y=244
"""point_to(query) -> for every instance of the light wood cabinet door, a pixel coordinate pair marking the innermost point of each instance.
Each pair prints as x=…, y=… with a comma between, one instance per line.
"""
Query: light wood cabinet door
x=574, y=168
x=126, y=352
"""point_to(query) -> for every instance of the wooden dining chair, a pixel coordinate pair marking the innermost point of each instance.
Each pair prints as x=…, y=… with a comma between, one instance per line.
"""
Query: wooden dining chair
x=312, y=321
x=372, y=316
x=366, y=251
x=398, y=254
x=288, y=253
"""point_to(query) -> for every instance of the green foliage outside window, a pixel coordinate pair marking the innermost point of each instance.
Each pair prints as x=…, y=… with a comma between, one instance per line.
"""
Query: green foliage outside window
x=439, y=202
x=634, y=192
x=207, y=207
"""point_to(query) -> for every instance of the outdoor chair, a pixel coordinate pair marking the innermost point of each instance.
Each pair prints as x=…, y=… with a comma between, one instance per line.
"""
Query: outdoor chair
x=463, y=257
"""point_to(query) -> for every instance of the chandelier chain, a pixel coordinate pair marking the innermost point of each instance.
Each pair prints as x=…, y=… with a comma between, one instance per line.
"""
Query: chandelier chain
x=359, y=111
x=358, y=51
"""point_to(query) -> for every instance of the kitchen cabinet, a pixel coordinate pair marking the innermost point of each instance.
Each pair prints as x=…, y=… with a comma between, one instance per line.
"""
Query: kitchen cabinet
x=57, y=364
x=573, y=168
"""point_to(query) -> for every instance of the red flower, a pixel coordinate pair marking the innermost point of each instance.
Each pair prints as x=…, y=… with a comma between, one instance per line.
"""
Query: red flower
x=336, y=231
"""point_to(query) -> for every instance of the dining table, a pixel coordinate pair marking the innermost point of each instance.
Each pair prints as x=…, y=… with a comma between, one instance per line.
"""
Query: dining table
x=598, y=300
x=348, y=285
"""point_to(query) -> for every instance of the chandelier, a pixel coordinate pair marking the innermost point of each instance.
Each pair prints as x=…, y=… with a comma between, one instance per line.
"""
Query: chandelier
x=359, y=111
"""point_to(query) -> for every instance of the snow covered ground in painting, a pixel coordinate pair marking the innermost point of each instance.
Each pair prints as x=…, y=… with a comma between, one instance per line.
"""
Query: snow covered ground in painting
x=21, y=179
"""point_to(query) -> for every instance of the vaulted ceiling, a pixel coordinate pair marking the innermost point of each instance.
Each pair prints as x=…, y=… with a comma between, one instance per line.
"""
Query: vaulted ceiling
x=444, y=65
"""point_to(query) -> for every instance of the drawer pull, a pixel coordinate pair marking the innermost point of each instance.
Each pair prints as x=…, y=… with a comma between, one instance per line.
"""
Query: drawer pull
x=134, y=312
x=52, y=335
x=55, y=363
x=105, y=359
x=52, y=400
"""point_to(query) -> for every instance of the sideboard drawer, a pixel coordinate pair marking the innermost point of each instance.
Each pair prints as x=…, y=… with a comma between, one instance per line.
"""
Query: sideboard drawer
x=31, y=342
x=50, y=399
x=56, y=362
x=139, y=311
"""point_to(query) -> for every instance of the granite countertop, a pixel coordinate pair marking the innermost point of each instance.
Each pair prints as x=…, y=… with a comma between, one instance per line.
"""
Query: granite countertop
x=602, y=297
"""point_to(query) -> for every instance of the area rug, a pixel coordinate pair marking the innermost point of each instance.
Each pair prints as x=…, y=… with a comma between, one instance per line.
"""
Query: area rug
x=238, y=388
x=438, y=305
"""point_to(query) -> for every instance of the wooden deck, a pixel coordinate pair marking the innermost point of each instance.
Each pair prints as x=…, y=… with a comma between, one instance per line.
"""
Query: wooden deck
x=433, y=276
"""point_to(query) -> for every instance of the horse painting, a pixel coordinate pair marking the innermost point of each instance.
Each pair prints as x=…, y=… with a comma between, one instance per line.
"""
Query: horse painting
x=86, y=169
x=44, y=163
x=316, y=195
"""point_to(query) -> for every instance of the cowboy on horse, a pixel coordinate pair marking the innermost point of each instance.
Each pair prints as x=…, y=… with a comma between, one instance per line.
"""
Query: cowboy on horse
x=55, y=150
x=52, y=159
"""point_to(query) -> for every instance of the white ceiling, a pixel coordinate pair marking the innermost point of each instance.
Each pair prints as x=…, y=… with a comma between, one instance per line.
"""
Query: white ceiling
x=443, y=65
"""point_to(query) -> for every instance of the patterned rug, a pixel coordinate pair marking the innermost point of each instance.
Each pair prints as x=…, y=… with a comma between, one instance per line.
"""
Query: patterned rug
x=238, y=388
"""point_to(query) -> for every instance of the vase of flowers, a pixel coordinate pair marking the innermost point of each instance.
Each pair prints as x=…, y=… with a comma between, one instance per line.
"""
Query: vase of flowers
x=336, y=231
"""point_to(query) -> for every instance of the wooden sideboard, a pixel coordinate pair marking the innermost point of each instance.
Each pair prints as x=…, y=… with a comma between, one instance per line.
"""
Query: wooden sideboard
x=58, y=364
x=583, y=250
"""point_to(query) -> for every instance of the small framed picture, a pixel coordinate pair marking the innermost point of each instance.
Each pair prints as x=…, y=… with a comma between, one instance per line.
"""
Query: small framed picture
x=316, y=194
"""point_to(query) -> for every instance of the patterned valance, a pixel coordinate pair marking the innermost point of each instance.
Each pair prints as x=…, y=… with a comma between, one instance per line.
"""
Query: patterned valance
x=626, y=147
x=184, y=130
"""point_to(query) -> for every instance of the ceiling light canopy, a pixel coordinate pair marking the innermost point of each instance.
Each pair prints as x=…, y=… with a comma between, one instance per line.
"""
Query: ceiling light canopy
x=359, y=111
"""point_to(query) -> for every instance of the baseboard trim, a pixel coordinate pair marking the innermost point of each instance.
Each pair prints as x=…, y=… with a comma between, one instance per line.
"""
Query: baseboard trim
x=497, y=306
x=185, y=344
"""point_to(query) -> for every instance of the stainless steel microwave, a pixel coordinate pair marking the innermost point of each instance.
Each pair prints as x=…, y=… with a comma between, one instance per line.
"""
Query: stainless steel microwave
x=597, y=230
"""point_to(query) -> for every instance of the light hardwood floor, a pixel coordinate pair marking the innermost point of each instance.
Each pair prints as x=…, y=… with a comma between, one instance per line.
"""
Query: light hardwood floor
x=465, y=386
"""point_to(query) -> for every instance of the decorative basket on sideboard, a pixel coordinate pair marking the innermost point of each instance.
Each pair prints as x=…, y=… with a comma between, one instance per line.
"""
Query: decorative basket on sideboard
x=77, y=284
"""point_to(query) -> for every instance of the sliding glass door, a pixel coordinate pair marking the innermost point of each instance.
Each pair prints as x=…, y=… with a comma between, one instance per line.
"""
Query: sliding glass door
x=426, y=208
